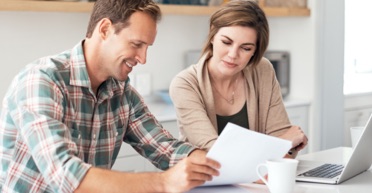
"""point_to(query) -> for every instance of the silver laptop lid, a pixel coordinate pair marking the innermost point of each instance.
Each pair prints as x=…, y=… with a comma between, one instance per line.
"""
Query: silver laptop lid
x=361, y=157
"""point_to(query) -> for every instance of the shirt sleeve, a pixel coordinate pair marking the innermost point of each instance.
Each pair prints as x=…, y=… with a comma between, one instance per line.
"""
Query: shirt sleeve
x=148, y=137
x=36, y=109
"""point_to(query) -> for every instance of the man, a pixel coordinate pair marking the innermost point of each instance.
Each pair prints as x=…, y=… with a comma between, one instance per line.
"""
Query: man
x=65, y=116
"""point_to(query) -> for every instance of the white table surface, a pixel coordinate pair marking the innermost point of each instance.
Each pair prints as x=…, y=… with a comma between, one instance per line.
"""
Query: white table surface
x=361, y=183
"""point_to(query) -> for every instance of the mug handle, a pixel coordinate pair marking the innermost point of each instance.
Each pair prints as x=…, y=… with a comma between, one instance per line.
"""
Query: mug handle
x=259, y=166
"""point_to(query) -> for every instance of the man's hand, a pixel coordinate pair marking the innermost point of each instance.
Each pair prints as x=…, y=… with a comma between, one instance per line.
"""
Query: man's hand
x=190, y=172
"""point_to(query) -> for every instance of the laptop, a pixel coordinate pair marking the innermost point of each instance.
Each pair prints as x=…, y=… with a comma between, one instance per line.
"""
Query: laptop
x=332, y=173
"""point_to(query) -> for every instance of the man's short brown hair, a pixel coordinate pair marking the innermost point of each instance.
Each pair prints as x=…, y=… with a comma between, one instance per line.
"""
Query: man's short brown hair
x=119, y=12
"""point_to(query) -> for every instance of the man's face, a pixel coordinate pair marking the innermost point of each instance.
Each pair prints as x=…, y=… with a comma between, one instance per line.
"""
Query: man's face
x=122, y=51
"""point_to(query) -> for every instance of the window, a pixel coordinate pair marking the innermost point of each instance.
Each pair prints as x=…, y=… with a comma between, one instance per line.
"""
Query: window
x=358, y=47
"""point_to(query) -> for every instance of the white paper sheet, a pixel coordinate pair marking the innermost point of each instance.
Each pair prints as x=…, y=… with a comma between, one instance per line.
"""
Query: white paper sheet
x=240, y=150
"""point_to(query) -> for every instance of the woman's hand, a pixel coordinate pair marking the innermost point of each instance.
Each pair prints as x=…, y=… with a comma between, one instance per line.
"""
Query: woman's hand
x=297, y=136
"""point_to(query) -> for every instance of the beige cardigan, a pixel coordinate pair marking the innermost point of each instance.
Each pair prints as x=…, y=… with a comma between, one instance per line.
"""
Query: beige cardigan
x=192, y=96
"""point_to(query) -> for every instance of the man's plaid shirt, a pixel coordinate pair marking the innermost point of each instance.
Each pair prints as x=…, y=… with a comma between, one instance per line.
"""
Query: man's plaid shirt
x=53, y=128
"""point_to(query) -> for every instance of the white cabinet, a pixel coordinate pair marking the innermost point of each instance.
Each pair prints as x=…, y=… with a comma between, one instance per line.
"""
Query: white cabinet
x=299, y=115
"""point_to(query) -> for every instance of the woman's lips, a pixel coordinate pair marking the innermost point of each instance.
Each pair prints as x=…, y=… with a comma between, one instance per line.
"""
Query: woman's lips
x=229, y=64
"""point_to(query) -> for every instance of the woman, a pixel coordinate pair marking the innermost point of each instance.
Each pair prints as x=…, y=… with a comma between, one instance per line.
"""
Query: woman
x=232, y=82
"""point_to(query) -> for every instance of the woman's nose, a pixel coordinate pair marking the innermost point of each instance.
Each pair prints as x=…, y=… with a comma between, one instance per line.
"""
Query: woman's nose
x=233, y=53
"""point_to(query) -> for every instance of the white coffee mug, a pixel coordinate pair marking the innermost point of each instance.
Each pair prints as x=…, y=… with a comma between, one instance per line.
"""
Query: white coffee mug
x=281, y=174
x=355, y=133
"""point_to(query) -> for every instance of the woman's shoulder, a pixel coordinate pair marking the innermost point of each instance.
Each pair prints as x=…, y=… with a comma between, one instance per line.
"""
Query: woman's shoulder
x=188, y=73
x=262, y=72
x=187, y=76
x=263, y=67
x=264, y=64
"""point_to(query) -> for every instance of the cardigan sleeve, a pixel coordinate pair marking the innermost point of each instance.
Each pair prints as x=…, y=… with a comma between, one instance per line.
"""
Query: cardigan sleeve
x=273, y=118
x=194, y=123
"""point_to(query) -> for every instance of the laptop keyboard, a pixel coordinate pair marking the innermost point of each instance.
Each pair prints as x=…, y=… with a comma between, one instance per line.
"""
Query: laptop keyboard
x=324, y=171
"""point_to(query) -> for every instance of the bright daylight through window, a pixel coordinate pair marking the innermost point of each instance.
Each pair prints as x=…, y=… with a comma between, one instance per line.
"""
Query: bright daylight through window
x=358, y=47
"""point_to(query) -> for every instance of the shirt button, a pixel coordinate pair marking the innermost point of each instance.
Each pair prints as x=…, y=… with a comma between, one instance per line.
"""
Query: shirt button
x=79, y=136
x=94, y=136
x=116, y=134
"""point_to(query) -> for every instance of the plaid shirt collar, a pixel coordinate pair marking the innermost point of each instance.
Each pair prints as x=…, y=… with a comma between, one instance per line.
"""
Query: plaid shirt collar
x=79, y=74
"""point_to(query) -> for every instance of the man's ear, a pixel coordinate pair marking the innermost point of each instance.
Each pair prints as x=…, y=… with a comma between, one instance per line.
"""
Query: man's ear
x=105, y=28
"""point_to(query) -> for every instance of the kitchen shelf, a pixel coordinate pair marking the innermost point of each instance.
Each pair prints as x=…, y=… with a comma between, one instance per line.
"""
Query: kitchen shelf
x=63, y=6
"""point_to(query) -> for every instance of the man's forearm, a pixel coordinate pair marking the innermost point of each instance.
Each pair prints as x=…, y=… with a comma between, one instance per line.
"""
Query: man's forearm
x=101, y=180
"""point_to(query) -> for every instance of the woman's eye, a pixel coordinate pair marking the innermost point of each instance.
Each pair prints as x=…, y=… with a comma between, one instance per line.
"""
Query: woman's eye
x=226, y=42
x=247, y=49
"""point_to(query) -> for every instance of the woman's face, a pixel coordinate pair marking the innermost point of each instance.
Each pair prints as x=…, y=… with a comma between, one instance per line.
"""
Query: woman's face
x=233, y=47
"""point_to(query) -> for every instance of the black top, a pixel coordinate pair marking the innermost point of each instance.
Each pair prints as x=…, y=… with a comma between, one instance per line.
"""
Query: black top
x=239, y=118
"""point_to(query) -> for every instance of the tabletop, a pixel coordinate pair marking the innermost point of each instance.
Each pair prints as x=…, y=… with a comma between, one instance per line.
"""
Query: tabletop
x=361, y=183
